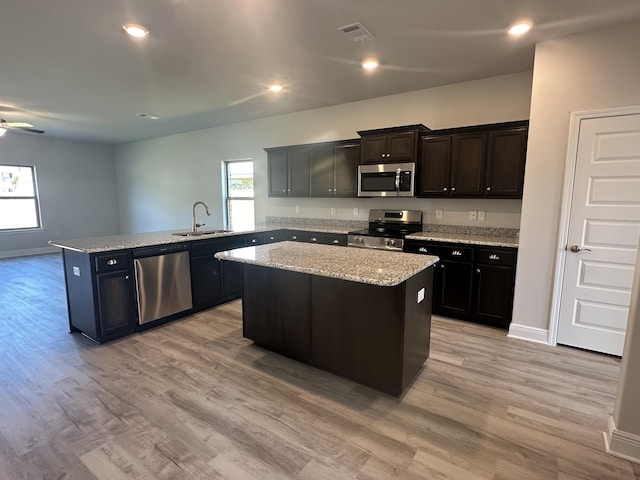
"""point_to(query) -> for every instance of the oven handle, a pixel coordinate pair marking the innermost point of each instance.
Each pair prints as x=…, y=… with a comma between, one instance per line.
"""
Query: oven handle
x=398, y=181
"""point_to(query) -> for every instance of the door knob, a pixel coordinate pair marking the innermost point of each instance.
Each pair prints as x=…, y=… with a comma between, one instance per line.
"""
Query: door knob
x=578, y=248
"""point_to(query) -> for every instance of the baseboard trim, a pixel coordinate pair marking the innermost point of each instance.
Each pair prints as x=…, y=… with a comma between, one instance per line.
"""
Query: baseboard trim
x=621, y=444
x=532, y=334
x=28, y=252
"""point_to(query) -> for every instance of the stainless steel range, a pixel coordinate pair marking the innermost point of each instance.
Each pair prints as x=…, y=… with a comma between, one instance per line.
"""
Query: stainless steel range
x=387, y=229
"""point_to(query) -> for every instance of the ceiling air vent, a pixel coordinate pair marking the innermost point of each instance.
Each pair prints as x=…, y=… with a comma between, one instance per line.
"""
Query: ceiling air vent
x=356, y=32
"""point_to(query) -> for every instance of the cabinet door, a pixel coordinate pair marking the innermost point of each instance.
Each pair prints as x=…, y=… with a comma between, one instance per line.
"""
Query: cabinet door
x=231, y=280
x=505, y=162
x=116, y=303
x=346, y=158
x=493, y=296
x=374, y=149
x=467, y=163
x=299, y=171
x=206, y=281
x=322, y=171
x=433, y=166
x=280, y=322
x=278, y=172
x=453, y=289
x=402, y=147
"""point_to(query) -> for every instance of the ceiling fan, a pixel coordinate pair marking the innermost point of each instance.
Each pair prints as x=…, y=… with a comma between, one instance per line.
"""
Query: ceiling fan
x=24, y=126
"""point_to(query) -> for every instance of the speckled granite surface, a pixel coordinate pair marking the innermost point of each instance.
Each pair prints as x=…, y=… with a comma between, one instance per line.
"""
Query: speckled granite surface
x=495, y=237
x=376, y=267
x=122, y=242
x=445, y=233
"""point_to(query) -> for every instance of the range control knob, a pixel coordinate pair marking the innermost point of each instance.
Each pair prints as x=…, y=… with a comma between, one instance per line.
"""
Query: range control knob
x=390, y=242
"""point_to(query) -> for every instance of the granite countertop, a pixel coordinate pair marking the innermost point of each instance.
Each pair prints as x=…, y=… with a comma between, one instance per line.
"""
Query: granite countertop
x=376, y=267
x=489, y=240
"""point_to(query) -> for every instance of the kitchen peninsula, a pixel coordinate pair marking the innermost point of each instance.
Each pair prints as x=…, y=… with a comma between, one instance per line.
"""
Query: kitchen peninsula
x=362, y=314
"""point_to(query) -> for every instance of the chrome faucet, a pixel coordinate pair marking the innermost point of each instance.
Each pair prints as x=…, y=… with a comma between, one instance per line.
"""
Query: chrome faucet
x=196, y=224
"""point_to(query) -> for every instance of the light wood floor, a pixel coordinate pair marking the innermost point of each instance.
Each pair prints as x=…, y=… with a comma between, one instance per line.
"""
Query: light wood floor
x=194, y=400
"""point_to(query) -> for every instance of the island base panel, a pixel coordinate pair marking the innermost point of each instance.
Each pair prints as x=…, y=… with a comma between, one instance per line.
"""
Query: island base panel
x=376, y=336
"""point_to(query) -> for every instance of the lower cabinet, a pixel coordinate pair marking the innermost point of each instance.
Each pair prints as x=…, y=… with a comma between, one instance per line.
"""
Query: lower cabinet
x=213, y=282
x=100, y=294
x=472, y=282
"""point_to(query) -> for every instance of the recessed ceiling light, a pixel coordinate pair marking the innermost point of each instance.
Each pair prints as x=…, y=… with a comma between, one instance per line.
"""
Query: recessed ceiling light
x=370, y=64
x=275, y=88
x=150, y=117
x=135, y=30
x=519, y=28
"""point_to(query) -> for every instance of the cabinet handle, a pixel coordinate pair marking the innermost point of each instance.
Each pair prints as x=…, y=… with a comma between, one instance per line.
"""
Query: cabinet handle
x=314, y=239
x=294, y=238
x=112, y=261
x=284, y=190
x=453, y=189
x=334, y=189
x=253, y=240
x=493, y=256
x=441, y=265
x=445, y=189
x=126, y=277
x=477, y=270
x=456, y=253
x=336, y=241
x=330, y=190
x=383, y=155
x=488, y=189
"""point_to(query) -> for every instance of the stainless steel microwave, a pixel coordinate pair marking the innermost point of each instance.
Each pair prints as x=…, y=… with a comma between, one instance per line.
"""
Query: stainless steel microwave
x=386, y=180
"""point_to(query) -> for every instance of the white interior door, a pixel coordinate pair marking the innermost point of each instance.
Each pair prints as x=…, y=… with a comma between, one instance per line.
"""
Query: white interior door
x=604, y=228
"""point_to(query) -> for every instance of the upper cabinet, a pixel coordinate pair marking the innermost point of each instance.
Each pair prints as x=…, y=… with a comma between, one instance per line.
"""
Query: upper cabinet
x=483, y=161
x=334, y=169
x=289, y=171
x=318, y=170
x=391, y=145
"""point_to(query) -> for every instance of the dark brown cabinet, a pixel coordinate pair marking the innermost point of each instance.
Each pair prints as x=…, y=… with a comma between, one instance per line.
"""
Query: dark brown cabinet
x=390, y=145
x=454, y=279
x=289, y=171
x=334, y=169
x=474, y=283
x=505, y=162
x=482, y=161
x=100, y=294
x=212, y=281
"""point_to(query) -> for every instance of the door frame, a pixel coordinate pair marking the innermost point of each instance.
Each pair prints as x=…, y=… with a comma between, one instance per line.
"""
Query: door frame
x=567, y=194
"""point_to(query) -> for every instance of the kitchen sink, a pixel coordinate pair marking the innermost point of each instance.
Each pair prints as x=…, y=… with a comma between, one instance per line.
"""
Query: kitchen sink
x=200, y=233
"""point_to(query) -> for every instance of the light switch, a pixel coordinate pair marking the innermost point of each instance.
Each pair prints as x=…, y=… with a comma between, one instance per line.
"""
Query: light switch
x=473, y=214
x=439, y=213
x=333, y=210
x=297, y=208
x=355, y=211
x=481, y=215
x=76, y=271
x=420, y=295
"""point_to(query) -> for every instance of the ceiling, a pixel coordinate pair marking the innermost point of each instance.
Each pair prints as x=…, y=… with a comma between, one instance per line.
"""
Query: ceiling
x=67, y=67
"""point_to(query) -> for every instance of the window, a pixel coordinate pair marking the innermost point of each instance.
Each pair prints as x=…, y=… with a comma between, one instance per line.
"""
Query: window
x=18, y=198
x=239, y=189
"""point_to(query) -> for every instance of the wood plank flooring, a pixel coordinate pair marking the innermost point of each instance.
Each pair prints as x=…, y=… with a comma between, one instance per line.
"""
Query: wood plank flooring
x=194, y=400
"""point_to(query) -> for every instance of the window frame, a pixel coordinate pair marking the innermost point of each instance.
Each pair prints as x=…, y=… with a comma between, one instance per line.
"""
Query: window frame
x=227, y=195
x=35, y=197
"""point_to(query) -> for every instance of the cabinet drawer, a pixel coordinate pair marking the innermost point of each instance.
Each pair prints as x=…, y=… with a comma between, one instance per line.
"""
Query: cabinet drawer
x=113, y=261
x=456, y=253
x=494, y=256
x=423, y=248
x=209, y=247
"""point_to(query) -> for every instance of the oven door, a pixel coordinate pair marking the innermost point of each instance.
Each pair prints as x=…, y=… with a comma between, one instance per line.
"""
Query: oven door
x=386, y=180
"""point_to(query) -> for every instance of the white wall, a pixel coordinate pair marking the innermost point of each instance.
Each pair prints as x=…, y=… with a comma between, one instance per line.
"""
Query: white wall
x=159, y=179
x=76, y=185
x=595, y=70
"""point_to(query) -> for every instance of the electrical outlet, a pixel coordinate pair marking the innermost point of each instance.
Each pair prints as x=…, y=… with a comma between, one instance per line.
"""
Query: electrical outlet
x=439, y=213
x=481, y=215
x=333, y=210
x=473, y=214
x=355, y=211
x=297, y=208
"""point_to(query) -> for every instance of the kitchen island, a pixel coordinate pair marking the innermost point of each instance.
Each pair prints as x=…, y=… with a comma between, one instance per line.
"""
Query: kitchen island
x=362, y=314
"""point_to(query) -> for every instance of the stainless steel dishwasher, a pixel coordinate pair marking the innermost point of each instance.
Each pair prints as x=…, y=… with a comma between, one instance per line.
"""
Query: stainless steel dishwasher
x=163, y=281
